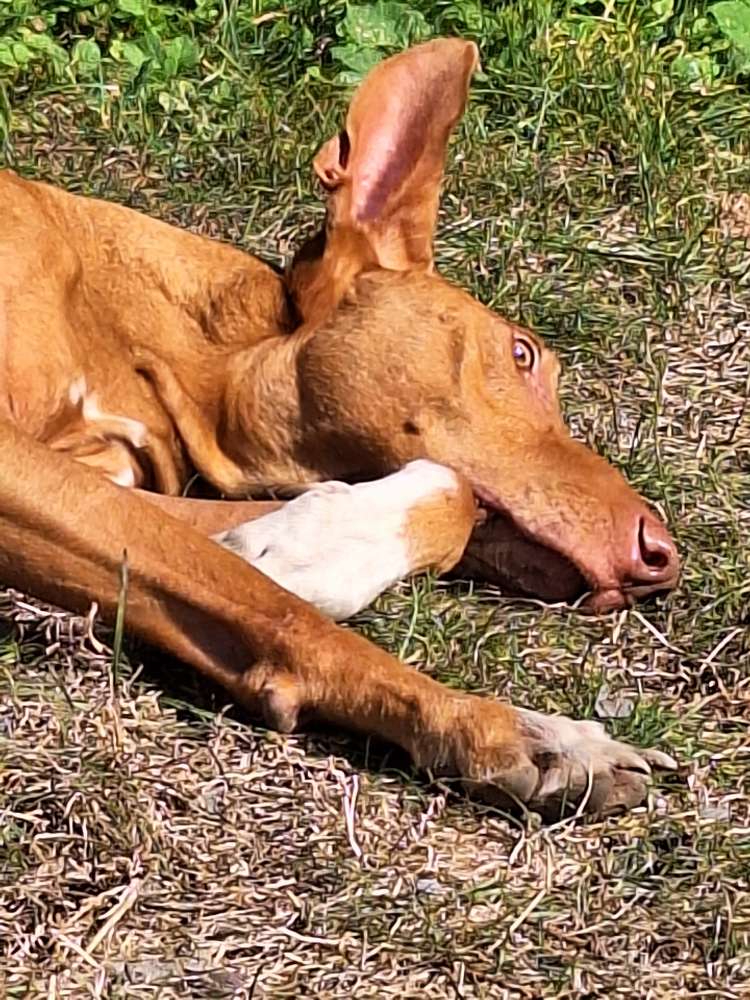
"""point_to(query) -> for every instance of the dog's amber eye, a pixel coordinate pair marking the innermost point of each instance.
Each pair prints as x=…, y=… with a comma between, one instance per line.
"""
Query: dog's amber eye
x=524, y=354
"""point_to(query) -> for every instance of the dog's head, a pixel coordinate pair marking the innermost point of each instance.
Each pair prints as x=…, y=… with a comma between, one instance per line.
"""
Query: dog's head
x=396, y=363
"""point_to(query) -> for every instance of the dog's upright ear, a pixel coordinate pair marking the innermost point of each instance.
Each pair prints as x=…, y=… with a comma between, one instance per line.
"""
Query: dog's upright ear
x=383, y=172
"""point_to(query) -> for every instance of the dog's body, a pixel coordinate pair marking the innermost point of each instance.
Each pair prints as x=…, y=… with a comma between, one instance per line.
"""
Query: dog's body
x=147, y=353
x=87, y=284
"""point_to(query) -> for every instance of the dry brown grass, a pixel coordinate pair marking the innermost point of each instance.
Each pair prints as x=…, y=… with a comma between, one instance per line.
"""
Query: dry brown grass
x=154, y=849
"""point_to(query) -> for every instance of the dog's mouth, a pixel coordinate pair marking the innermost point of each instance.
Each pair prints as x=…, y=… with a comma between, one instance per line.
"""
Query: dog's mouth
x=503, y=551
x=499, y=553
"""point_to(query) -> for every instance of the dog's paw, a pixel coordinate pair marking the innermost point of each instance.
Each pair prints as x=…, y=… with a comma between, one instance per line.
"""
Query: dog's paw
x=553, y=765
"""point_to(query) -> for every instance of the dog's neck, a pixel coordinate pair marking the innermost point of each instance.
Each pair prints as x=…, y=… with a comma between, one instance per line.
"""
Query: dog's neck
x=261, y=426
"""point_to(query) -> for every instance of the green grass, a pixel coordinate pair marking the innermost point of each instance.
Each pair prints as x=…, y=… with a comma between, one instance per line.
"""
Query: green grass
x=598, y=190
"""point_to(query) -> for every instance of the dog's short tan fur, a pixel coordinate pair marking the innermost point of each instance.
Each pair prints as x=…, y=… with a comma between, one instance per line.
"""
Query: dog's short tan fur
x=144, y=352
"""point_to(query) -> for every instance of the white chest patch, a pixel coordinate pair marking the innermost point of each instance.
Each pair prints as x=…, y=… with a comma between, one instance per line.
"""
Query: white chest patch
x=339, y=546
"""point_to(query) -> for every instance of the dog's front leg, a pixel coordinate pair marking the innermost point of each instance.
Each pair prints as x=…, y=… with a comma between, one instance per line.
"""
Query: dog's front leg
x=510, y=756
x=63, y=534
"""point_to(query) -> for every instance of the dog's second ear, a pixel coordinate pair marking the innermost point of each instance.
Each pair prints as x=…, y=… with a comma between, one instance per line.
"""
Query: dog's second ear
x=384, y=170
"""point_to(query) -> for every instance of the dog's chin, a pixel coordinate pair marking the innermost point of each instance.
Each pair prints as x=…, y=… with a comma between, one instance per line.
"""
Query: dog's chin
x=498, y=553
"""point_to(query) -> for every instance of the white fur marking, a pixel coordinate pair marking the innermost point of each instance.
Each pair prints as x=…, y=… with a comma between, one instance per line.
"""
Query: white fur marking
x=133, y=430
x=77, y=390
x=339, y=546
x=125, y=477
x=564, y=735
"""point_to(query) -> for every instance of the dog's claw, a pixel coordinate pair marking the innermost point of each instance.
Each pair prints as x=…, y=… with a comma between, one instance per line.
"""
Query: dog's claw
x=660, y=760
x=559, y=766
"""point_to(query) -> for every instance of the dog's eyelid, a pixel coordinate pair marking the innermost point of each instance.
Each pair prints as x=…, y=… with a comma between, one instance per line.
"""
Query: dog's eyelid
x=526, y=353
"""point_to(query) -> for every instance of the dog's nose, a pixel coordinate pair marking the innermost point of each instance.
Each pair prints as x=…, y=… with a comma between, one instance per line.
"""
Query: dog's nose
x=654, y=564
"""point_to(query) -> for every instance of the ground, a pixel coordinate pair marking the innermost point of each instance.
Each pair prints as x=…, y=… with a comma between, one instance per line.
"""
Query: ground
x=155, y=843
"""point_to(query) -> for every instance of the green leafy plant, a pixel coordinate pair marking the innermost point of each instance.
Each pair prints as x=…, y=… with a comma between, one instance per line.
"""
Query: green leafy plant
x=369, y=31
x=75, y=37
x=733, y=20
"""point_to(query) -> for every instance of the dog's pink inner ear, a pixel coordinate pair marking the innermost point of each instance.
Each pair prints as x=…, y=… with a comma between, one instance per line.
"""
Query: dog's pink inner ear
x=388, y=160
x=385, y=169
x=383, y=174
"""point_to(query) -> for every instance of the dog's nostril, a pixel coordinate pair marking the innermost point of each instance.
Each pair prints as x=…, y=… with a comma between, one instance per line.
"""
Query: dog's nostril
x=656, y=563
x=655, y=552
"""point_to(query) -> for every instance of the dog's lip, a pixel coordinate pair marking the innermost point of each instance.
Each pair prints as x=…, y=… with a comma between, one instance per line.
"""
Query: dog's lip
x=601, y=597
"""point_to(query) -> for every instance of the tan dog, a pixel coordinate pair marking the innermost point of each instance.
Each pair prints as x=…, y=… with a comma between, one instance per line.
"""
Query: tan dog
x=145, y=352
